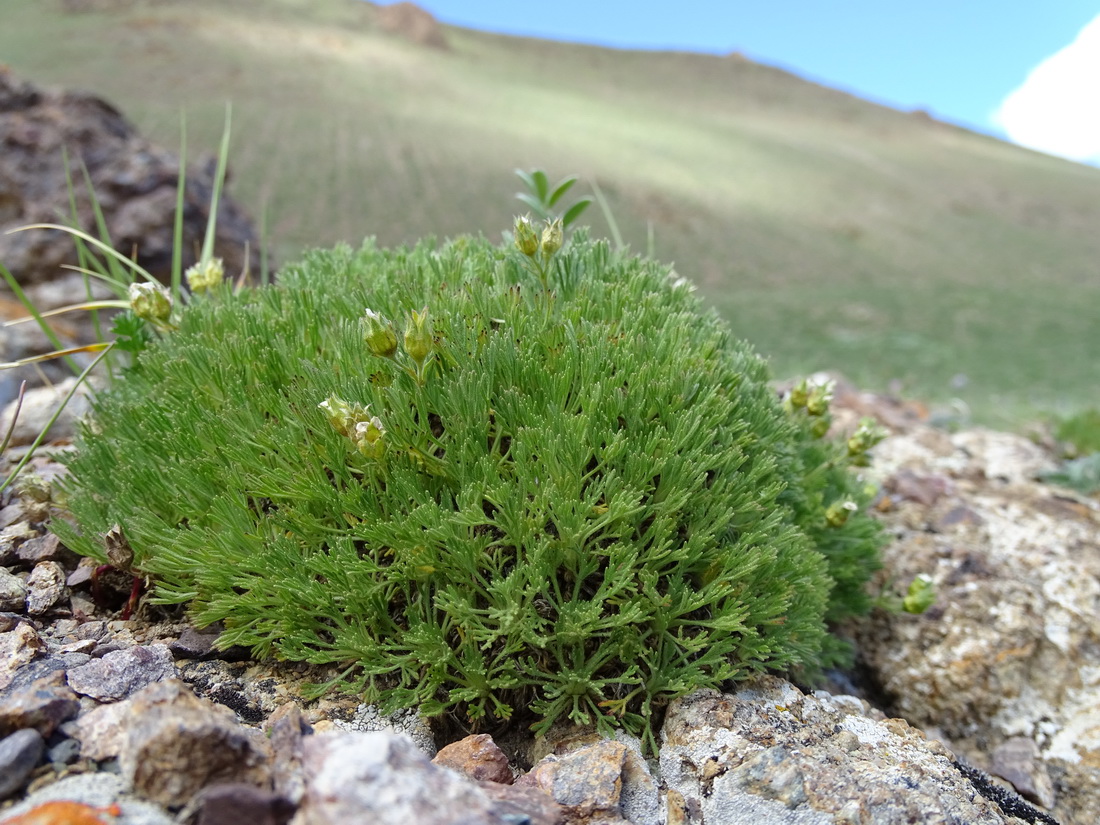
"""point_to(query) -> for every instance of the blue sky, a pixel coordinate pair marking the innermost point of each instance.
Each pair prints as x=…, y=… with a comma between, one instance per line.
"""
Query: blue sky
x=959, y=59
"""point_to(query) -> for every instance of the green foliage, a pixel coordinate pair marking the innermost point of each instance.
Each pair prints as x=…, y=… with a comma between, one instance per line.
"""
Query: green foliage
x=1080, y=440
x=575, y=502
x=1081, y=474
x=544, y=200
x=1081, y=432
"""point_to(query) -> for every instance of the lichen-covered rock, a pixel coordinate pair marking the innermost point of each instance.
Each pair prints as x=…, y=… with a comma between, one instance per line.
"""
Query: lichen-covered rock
x=771, y=754
x=1011, y=649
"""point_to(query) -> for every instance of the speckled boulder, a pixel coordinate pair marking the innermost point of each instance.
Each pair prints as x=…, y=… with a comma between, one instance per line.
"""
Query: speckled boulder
x=1011, y=649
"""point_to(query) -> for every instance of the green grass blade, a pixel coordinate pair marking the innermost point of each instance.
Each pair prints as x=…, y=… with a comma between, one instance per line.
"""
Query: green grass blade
x=219, y=179
x=177, y=223
x=107, y=249
x=53, y=418
x=265, y=274
x=609, y=216
x=528, y=181
x=15, y=417
x=87, y=305
x=99, y=346
x=84, y=258
x=118, y=272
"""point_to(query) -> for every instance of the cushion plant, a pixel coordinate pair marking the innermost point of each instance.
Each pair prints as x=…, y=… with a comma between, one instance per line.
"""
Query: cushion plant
x=486, y=480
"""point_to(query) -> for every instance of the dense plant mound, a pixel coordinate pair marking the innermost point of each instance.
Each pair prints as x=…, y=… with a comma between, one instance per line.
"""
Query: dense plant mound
x=582, y=499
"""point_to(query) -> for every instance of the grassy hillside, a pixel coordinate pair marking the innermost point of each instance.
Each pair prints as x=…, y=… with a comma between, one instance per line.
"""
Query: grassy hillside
x=832, y=232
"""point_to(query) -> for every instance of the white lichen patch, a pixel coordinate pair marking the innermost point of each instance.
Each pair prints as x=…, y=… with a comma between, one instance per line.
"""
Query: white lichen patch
x=867, y=730
x=1080, y=732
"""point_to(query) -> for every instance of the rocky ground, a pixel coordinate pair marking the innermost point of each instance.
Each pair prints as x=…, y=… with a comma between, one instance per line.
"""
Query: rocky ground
x=983, y=710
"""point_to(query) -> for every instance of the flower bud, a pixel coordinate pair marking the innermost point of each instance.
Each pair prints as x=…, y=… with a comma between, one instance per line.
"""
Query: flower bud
x=820, y=426
x=839, y=511
x=418, y=336
x=205, y=275
x=379, y=335
x=553, y=236
x=33, y=487
x=866, y=437
x=150, y=302
x=368, y=437
x=340, y=414
x=526, y=239
x=799, y=395
x=921, y=594
x=819, y=398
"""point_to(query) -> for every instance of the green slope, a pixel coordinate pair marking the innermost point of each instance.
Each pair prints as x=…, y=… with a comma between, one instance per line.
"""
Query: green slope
x=832, y=232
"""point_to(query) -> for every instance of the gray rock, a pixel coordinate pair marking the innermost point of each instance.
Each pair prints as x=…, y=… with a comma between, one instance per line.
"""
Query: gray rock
x=135, y=188
x=383, y=778
x=45, y=588
x=518, y=805
x=197, y=644
x=13, y=591
x=770, y=754
x=101, y=731
x=64, y=752
x=11, y=535
x=43, y=705
x=19, y=754
x=122, y=672
x=40, y=668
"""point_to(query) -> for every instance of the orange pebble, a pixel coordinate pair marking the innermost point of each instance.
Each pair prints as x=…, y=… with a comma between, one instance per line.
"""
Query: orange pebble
x=63, y=813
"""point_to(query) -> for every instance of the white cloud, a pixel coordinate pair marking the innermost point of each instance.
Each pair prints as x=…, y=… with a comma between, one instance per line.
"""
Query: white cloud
x=1057, y=108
